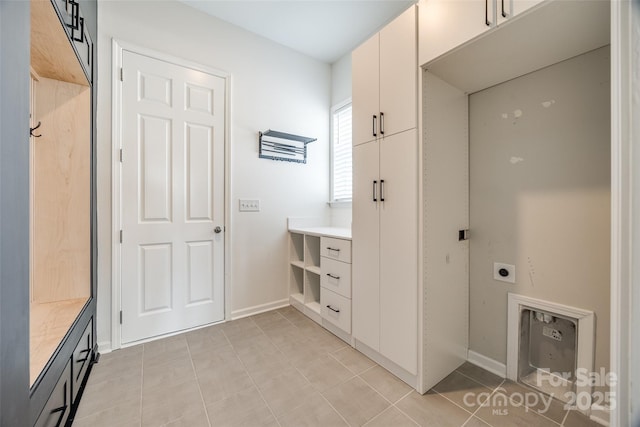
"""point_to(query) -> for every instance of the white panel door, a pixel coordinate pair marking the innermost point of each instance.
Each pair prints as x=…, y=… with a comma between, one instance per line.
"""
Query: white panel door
x=399, y=249
x=365, y=92
x=172, y=197
x=398, y=74
x=365, y=280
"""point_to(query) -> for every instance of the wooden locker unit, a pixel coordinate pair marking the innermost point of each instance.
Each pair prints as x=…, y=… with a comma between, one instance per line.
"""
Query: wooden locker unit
x=62, y=208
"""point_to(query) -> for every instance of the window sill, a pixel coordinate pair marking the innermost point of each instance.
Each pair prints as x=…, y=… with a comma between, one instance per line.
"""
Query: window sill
x=340, y=204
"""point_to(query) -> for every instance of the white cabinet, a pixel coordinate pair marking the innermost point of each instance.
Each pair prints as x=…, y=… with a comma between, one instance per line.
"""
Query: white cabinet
x=506, y=9
x=385, y=248
x=384, y=84
x=365, y=229
x=304, y=274
x=320, y=277
x=335, y=285
x=338, y=249
x=446, y=24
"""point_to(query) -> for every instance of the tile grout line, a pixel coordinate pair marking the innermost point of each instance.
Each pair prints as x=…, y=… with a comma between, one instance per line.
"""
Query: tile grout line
x=340, y=362
x=494, y=391
x=195, y=374
x=251, y=377
x=319, y=393
x=480, y=382
x=564, y=419
x=403, y=412
x=458, y=405
x=336, y=410
x=534, y=410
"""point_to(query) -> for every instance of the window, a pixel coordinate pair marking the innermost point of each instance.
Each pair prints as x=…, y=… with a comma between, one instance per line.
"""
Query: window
x=341, y=153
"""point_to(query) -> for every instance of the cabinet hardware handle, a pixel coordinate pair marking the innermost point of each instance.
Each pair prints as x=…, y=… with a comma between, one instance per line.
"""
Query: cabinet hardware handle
x=333, y=249
x=375, y=190
x=62, y=410
x=333, y=309
x=75, y=15
x=382, y=190
x=81, y=29
x=486, y=13
x=375, y=119
x=84, y=359
x=333, y=277
x=504, y=15
x=381, y=123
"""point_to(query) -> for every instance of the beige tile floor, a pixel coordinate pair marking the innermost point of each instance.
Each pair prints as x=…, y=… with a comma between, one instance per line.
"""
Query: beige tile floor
x=281, y=369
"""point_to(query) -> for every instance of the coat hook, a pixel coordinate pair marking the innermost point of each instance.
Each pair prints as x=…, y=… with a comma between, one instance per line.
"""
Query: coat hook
x=32, y=129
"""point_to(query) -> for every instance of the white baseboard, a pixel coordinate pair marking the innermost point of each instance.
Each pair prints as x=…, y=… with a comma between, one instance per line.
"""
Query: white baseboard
x=493, y=366
x=257, y=309
x=104, y=347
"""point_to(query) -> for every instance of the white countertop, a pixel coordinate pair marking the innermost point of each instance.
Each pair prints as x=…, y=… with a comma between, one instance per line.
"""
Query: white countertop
x=337, y=232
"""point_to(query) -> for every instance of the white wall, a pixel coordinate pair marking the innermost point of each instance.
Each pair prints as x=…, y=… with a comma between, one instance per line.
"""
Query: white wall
x=341, y=79
x=540, y=196
x=273, y=87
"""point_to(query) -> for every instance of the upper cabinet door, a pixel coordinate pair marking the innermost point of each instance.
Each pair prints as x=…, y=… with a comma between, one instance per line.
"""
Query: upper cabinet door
x=445, y=24
x=398, y=74
x=506, y=9
x=365, y=94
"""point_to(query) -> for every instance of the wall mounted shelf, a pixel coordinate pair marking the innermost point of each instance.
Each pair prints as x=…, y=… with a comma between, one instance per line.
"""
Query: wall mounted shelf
x=276, y=145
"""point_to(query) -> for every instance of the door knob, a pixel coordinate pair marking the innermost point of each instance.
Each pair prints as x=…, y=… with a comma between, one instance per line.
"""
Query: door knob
x=217, y=230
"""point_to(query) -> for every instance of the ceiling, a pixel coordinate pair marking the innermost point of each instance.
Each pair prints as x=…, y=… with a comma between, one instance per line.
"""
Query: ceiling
x=323, y=29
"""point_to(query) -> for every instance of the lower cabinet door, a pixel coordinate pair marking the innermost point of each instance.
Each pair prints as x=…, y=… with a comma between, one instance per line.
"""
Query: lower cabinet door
x=56, y=411
x=336, y=309
x=81, y=359
x=336, y=275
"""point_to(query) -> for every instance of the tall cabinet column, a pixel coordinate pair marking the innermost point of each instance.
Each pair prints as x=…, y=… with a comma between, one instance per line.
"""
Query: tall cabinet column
x=385, y=196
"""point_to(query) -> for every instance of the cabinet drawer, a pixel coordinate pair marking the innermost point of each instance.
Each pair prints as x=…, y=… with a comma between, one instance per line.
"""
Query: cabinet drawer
x=336, y=276
x=336, y=309
x=339, y=249
x=56, y=411
x=81, y=359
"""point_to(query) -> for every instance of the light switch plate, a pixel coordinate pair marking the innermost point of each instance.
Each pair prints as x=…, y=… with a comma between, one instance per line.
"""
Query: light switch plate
x=504, y=272
x=249, y=205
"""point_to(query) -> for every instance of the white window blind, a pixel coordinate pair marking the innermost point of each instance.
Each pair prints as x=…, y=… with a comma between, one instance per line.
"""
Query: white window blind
x=341, y=154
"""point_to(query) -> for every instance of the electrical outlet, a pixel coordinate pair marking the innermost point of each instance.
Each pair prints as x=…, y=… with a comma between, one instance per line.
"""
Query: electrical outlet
x=504, y=272
x=249, y=205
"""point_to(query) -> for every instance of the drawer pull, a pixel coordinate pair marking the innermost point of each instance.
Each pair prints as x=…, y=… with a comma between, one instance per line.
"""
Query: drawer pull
x=333, y=277
x=84, y=359
x=62, y=410
x=333, y=249
x=333, y=309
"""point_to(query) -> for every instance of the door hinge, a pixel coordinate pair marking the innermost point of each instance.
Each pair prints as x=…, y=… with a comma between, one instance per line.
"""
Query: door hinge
x=120, y=236
x=121, y=155
x=121, y=74
x=121, y=317
x=463, y=235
